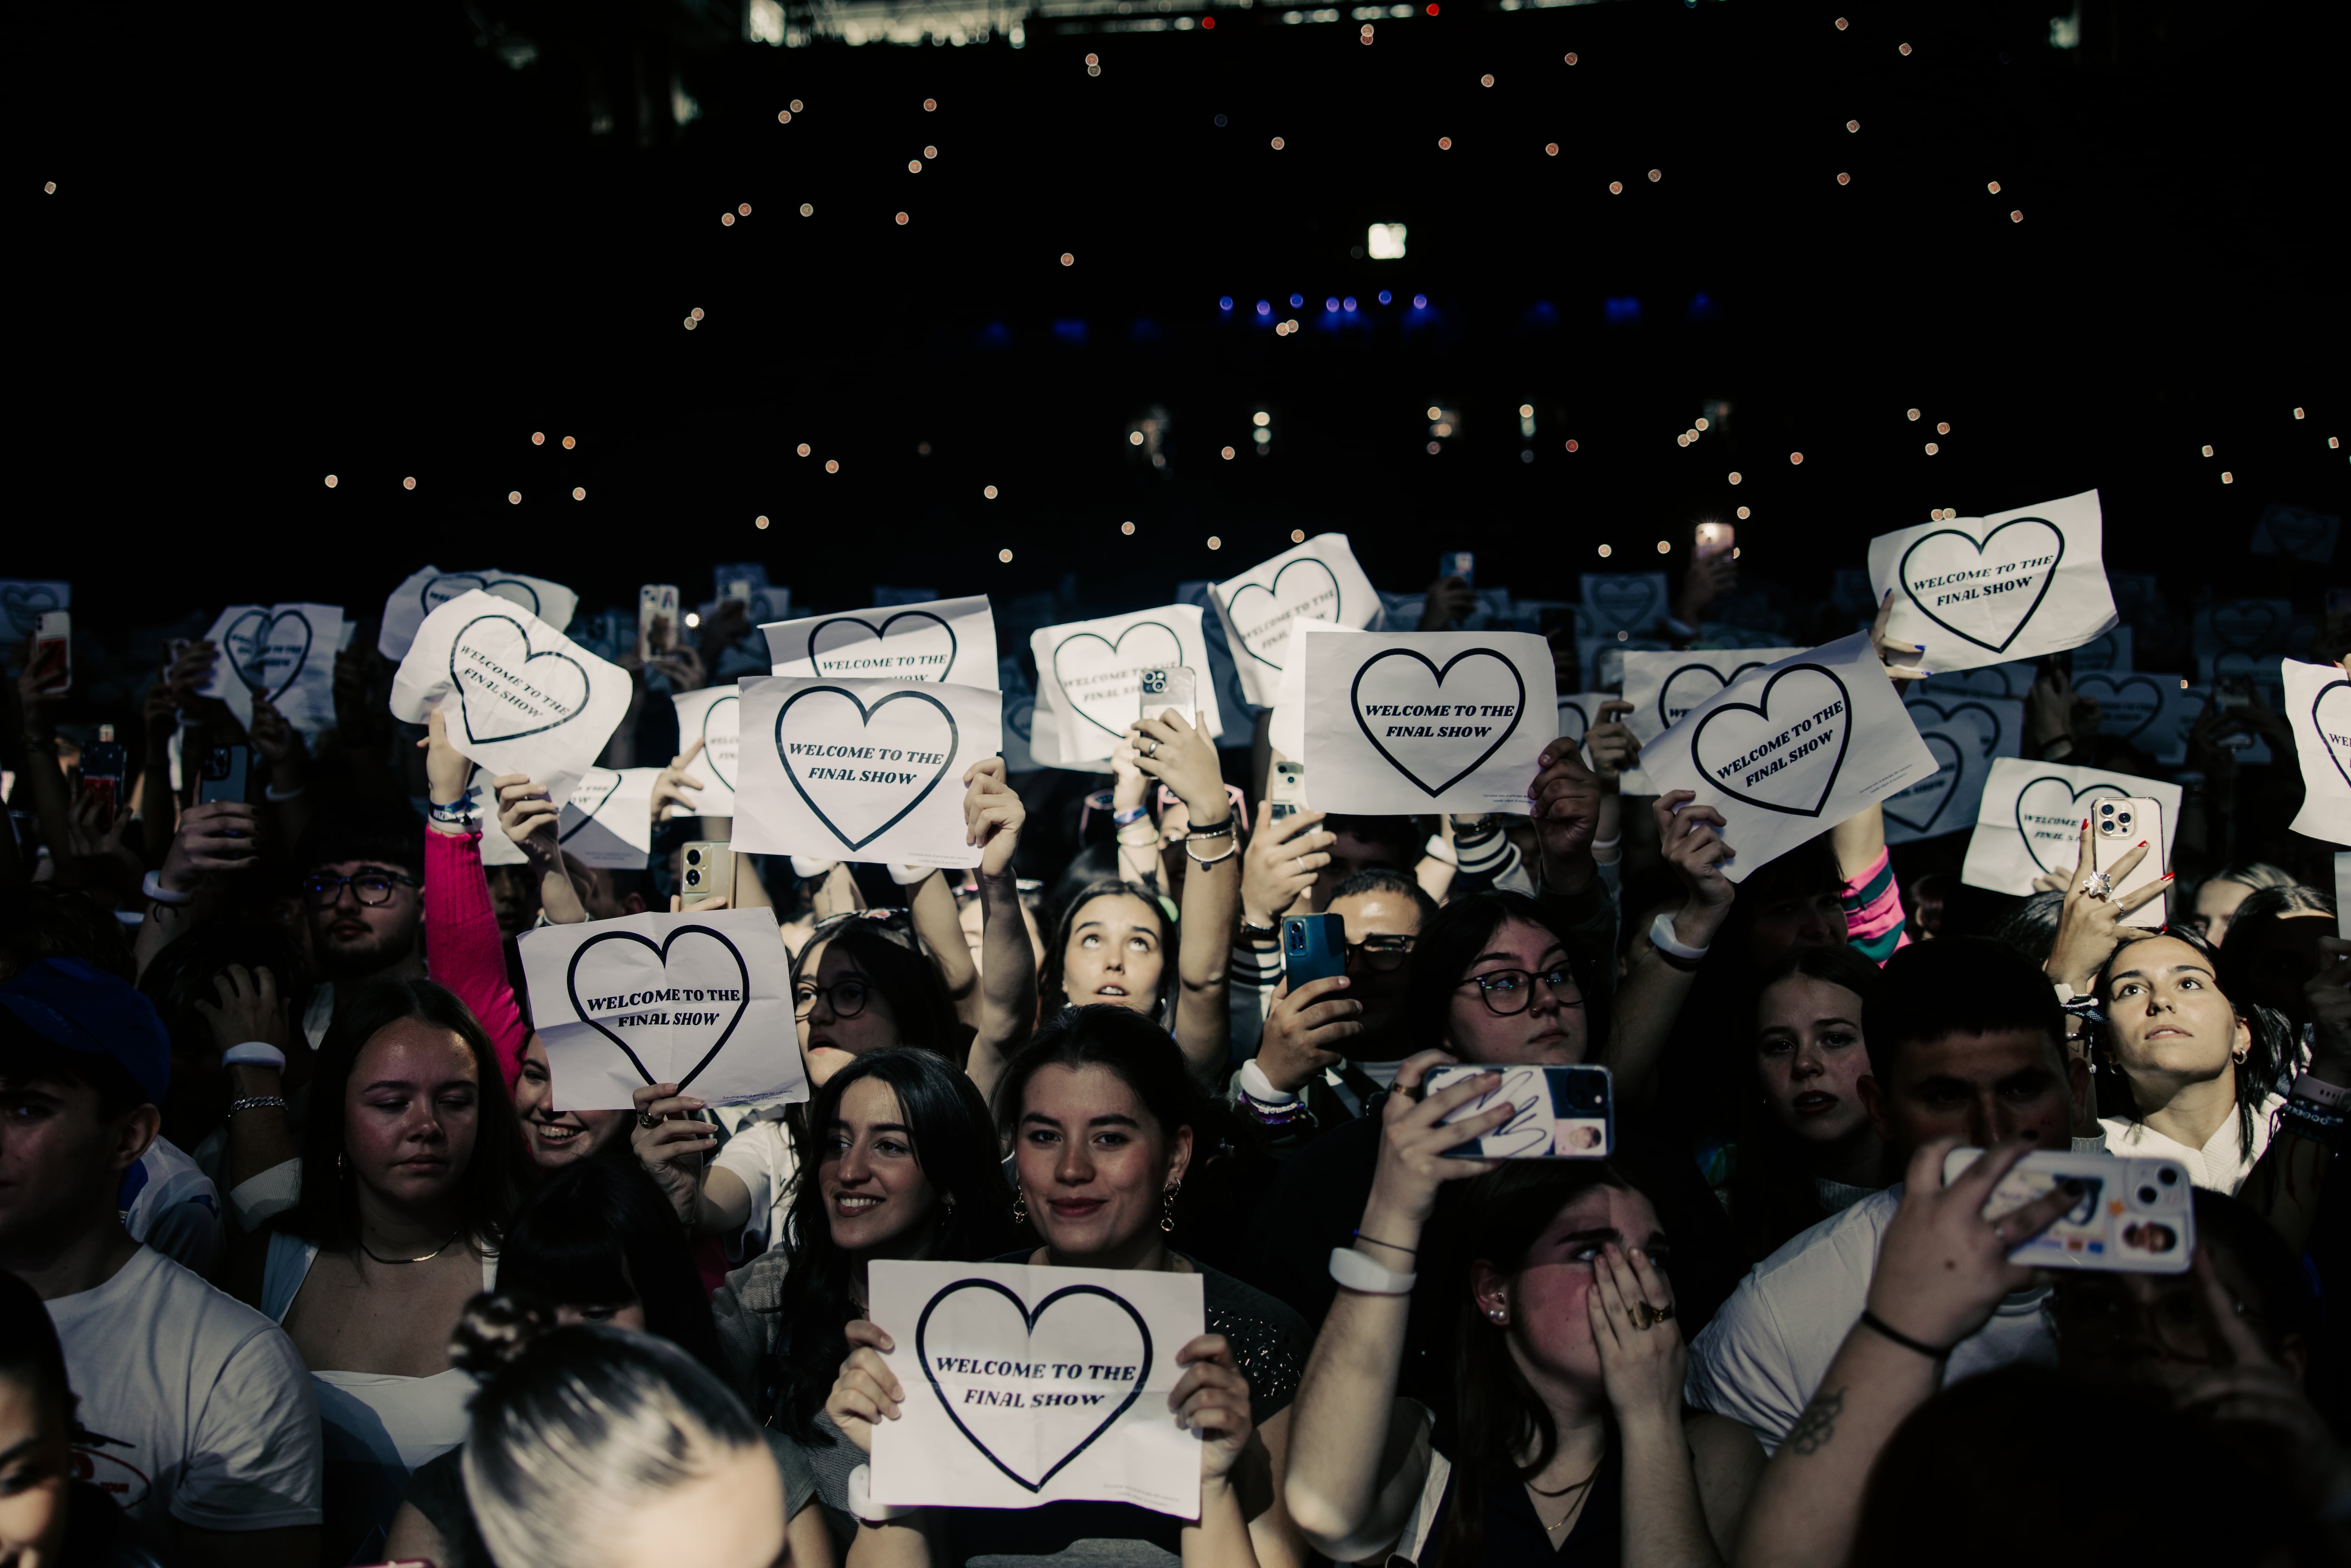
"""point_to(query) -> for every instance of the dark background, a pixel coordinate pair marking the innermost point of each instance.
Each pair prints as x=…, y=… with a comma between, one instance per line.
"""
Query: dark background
x=291, y=243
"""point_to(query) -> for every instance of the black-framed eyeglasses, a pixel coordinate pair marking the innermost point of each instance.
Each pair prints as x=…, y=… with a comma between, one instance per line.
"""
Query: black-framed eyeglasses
x=370, y=887
x=1509, y=992
x=847, y=997
x=1381, y=955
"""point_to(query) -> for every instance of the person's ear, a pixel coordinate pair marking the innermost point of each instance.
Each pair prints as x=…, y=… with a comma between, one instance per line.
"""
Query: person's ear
x=1490, y=1288
x=1179, y=1155
x=1872, y=1100
x=137, y=1131
x=633, y=905
x=2293, y=1354
x=2242, y=1046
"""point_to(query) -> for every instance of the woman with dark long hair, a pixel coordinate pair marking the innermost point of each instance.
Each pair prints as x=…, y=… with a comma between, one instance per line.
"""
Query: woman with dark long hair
x=411, y=1160
x=1565, y=1439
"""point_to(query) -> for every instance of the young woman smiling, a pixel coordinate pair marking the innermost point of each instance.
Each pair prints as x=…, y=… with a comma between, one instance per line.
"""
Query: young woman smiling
x=1101, y=1112
x=557, y=1139
x=1809, y=1148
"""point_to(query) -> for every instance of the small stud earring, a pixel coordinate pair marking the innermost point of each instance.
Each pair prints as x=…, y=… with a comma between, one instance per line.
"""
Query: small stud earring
x=1496, y=1315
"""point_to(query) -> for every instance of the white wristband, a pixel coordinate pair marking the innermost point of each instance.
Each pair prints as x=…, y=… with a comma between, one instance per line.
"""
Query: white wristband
x=1357, y=1272
x=254, y=1053
x=910, y=875
x=1437, y=849
x=154, y=889
x=1662, y=937
x=1260, y=1088
x=803, y=866
x=861, y=1499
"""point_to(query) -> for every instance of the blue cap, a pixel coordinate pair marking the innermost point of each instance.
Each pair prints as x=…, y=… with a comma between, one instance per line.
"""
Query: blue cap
x=82, y=1009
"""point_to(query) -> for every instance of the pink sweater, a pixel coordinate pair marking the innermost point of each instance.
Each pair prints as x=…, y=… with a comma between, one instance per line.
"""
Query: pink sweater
x=463, y=947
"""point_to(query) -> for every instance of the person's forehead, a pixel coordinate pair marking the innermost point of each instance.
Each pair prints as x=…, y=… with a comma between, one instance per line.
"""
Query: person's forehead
x=1800, y=998
x=2220, y=897
x=1117, y=911
x=1606, y=1208
x=870, y=1100
x=1984, y=1057
x=1380, y=912
x=1075, y=1093
x=1522, y=938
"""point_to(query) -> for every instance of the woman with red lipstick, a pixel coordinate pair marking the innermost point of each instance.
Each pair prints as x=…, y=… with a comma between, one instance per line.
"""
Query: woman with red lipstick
x=413, y=1163
x=1809, y=1148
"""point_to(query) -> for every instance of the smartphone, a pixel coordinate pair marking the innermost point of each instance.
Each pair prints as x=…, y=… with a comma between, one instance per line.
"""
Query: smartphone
x=1313, y=947
x=1288, y=793
x=2116, y=827
x=220, y=773
x=53, y=651
x=1163, y=689
x=101, y=773
x=709, y=870
x=1715, y=539
x=1460, y=563
x=1563, y=1112
x=2136, y=1215
x=737, y=589
x=656, y=619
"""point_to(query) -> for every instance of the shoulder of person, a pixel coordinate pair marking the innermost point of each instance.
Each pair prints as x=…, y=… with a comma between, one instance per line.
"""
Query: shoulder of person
x=180, y=1306
x=1720, y=1444
x=1817, y=1270
x=1229, y=1294
x=758, y=1286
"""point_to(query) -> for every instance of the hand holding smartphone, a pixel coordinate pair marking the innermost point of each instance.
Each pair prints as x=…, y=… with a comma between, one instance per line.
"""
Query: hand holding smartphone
x=1563, y=1112
x=1163, y=689
x=1313, y=947
x=1287, y=795
x=656, y=619
x=709, y=872
x=2136, y=1215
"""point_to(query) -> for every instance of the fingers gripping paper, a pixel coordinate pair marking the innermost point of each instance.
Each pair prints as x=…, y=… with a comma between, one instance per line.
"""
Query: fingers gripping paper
x=860, y=771
x=1426, y=721
x=518, y=695
x=1029, y=1385
x=1317, y=580
x=712, y=716
x=2030, y=822
x=1790, y=750
x=2318, y=702
x=700, y=1000
x=1986, y=590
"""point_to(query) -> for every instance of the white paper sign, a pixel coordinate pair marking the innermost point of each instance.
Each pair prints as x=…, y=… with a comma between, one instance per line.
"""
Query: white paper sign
x=1630, y=602
x=1426, y=721
x=608, y=819
x=1579, y=711
x=711, y=716
x=1985, y=681
x=283, y=654
x=701, y=1000
x=21, y=603
x=1788, y=751
x=1286, y=733
x=2131, y=707
x=2318, y=702
x=1983, y=590
x=860, y=771
x=518, y=695
x=427, y=588
x=2245, y=626
x=1999, y=720
x=1318, y=580
x=1090, y=672
x=2030, y=820
x=1029, y=1385
x=1965, y=733
x=2110, y=653
x=944, y=642
x=1664, y=687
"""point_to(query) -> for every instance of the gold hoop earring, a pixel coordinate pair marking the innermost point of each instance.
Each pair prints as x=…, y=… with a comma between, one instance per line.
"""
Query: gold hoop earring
x=1167, y=1205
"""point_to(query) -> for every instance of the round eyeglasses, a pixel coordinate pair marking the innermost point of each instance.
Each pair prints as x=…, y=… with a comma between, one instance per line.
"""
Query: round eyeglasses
x=1381, y=955
x=1509, y=992
x=846, y=998
x=370, y=887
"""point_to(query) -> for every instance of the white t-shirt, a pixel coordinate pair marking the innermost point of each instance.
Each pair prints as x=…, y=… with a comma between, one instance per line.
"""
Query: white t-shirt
x=171, y=1205
x=760, y=1156
x=199, y=1409
x=1762, y=1358
x=2221, y=1165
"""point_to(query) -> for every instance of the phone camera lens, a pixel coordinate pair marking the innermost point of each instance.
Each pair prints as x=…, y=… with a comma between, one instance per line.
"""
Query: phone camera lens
x=2147, y=1195
x=693, y=857
x=2167, y=1176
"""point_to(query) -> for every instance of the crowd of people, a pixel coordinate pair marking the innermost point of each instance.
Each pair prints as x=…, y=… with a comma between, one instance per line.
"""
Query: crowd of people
x=301, y=1263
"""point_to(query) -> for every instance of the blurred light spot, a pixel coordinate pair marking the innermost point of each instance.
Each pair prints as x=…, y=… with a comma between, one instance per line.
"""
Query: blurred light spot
x=1852, y=125
x=2016, y=217
x=1845, y=179
x=1571, y=56
x=1615, y=187
x=1607, y=551
x=694, y=618
x=1445, y=144
x=1571, y=445
x=1550, y=148
x=569, y=444
x=514, y=498
x=1434, y=449
x=832, y=465
x=1420, y=301
x=1943, y=429
x=902, y=220
x=989, y=491
x=1127, y=528
x=784, y=117
x=1841, y=23
x=728, y=219
x=929, y=104
x=1228, y=454
x=1796, y=458
x=2228, y=478
x=1298, y=535
x=1067, y=259
x=1742, y=514
x=807, y=211
x=1664, y=546
x=1655, y=175
x=759, y=522
x=1004, y=555
x=931, y=153
x=1216, y=543
x=1906, y=51
x=804, y=448
x=332, y=481
x=1486, y=80
x=1734, y=476
x=1932, y=448
x=1277, y=144
x=1993, y=187
x=409, y=483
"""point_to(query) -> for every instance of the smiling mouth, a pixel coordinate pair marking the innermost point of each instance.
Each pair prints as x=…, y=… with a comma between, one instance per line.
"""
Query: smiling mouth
x=1076, y=1208
x=554, y=1132
x=1118, y=991
x=847, y=1204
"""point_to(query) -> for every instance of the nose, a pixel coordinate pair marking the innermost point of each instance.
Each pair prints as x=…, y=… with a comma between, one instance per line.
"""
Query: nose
x=854, y=1167
x=1807, y=1063
x=1075, y=1167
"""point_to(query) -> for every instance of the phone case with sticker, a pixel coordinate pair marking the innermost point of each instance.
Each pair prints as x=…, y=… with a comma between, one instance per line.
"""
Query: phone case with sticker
x=2136, y=1216
x=1563, y=1112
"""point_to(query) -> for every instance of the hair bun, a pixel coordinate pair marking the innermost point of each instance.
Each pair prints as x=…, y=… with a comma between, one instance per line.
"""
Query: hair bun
x=494, y=1329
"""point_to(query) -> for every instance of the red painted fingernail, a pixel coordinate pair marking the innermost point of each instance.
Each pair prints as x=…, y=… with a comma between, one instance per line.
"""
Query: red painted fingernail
x=2142, y=843
x=2170, y=875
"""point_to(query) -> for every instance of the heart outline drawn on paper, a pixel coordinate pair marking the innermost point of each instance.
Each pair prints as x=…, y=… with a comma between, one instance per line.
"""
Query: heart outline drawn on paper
x=1722, y=683
x=1077, y=703
x=1583, y=719
x=865, y=716
x=2116, y=683
x=1355, y=707
x=1028, y=1322
x=590, y=815
x=2048, y=576
x=659, y=950
x=1763, y=709
x=1956, y=767
x=2230, y=623
x=2336, y=750
x=255, y=685
x=489, y=585
x=16, y=602
x=1622, y=588
x=709, y=757
x=2093, y=787
x=2294, y=531
x=1273, y=591
x=880, y=635
x=522, y=634
x=1992, y=731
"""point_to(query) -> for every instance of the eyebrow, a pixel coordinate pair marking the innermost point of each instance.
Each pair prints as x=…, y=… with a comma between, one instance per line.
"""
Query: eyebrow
x=1105, y=924
x=2168, y=969
x=1558, y=947
x=15, y=1451
x=410, y=1083
x=1112, y=1119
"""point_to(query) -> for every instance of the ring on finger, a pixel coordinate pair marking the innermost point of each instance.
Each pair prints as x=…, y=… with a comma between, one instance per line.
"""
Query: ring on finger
x=2097, y=884
x=1150, y=747
x=646, y=1119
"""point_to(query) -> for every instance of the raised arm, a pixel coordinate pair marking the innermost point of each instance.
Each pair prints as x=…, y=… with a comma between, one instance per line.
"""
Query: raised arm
x=1008, y=994
x=1652, y=994
x=932, y=903
x=1170, y=749
x=463, y=947
x=529, y=816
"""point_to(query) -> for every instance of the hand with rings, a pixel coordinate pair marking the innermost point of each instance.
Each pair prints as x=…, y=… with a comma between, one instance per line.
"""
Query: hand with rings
x=2088, y=926
x=1150, y=747
x=1641, y=1369
x=2097, y=884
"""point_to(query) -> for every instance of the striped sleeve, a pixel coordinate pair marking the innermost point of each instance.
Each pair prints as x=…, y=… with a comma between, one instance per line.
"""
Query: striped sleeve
x=1873, y=909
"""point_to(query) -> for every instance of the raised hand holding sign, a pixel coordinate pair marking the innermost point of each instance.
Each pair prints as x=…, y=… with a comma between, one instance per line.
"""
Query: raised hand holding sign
x=520, y=695
x=1986, y=590
x=283, y=655
x=1090, y=673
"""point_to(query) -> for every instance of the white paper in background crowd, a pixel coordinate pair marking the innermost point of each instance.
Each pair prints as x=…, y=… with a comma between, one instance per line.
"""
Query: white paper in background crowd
x=942, y=642
x=2001, y=719
x=23, y=602
x=608, y=820
x=2342, y=894
x=1579, y=711
x=1664, y=687
x=2246, y=637
x=518, y=695
x=1988, y=591
x=701, y=1000
x=1946, y=801
x=1020, y=717
x=710, y=717
x=1029, y=1385
x=1632, y=602
x=2131, y=707
x=2013, y=680
x=1231, y=697
x=284, y=653
x=768, y=601
x=1286, y=731
x=496, y=847
x=1401, y=612
x=1317, y=580
x=428, y=588
x=1090, y=672
x=2318, y=702
x=1426, y=721
x=2296, y=533
x=2166, y=740
x=1790, y=750
x=2108, y=654
x=860, y=771
x=1045, y=726
x=2030, y=820
x=1602, y=659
